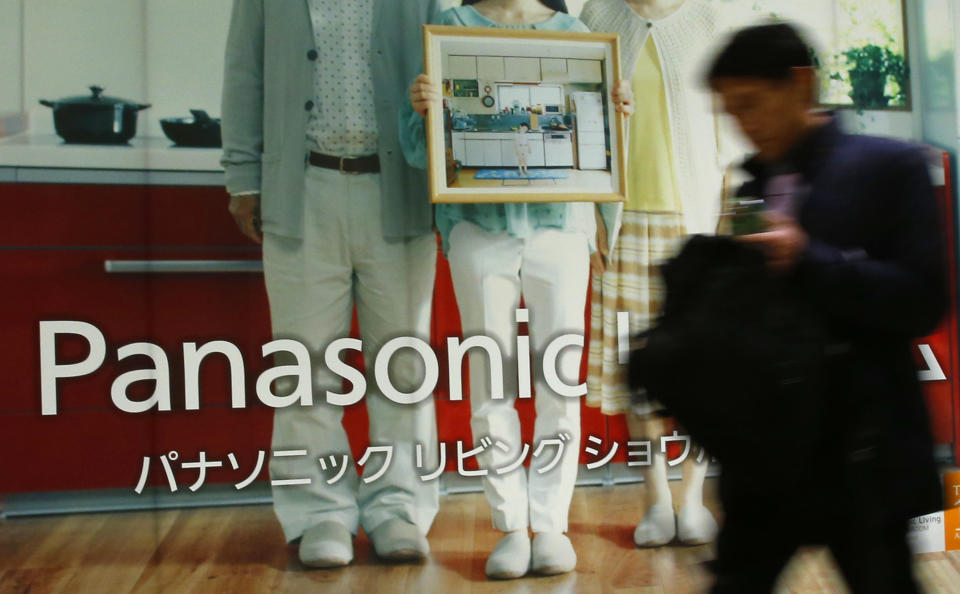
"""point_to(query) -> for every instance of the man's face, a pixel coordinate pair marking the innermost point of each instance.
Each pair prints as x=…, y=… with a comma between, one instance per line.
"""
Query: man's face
x=770, y=112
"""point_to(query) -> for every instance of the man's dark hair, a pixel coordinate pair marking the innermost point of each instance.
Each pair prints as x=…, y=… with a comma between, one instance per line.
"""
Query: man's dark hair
x=764, y=51
x=558, y=5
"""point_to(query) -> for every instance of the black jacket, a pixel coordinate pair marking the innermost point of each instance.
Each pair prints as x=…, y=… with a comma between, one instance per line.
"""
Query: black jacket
x=873, y=276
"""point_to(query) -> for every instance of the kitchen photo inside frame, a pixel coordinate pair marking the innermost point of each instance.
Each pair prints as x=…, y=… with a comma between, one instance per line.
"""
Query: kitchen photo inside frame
x=527, y=116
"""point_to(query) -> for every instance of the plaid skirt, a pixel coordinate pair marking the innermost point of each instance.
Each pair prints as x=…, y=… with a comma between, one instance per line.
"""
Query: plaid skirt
x=631, y=284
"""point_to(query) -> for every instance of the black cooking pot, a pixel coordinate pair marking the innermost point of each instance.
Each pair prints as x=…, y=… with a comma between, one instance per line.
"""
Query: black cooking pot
x=95, y=119
x=200, y=130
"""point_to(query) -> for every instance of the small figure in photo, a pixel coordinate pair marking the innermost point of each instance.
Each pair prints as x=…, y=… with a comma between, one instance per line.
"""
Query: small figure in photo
x=522, y=146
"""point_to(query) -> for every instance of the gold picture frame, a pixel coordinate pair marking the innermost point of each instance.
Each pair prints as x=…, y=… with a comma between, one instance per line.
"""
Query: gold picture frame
x=556, y=83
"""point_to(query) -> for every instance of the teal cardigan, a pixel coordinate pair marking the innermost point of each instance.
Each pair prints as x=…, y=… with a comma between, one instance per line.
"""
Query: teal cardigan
x=518, y=219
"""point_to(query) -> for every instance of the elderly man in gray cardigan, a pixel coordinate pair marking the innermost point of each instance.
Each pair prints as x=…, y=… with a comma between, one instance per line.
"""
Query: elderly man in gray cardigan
x=315, y=173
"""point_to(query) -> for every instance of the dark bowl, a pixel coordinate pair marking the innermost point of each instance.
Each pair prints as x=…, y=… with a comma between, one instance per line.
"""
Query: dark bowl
x=190, y=132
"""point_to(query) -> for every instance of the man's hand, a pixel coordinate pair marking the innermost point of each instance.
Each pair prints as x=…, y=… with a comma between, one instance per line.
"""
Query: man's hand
x=598, y=259
x=623, y=97
x=246, y=212
x=423, y=94
x=783, y=242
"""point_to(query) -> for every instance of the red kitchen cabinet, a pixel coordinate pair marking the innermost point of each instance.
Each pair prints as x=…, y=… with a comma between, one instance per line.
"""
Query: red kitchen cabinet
x=47, y=285
x=943, y=390
x=201, y=307
x=47, y=215
x=54, y=260
x=86, y=449
x=62, y=241
x=191, y=216
x=165, y=309
x=52, y=215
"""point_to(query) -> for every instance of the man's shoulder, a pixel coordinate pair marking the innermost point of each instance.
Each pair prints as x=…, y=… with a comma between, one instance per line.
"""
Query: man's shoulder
x=869, y=149
x=881, y=161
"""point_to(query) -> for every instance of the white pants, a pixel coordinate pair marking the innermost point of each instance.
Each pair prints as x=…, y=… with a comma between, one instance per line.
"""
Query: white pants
x=312, y=285
x=490, y=271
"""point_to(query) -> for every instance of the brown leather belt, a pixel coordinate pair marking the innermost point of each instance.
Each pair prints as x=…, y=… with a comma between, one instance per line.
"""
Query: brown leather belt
x=368, y=164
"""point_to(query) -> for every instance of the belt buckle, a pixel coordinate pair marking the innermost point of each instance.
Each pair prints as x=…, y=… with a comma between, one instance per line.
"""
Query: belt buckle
x=342, y=170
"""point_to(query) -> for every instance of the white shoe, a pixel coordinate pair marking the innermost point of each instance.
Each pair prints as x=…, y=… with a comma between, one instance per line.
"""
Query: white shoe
x=553, y=553
x=696, y=525
x=657, y=528
x=328, y=544
x=399, y=540
x=511, y=557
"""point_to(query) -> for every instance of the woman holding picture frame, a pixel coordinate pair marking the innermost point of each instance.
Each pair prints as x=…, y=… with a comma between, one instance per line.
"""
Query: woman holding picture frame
x=497, y=253
x=674, y=180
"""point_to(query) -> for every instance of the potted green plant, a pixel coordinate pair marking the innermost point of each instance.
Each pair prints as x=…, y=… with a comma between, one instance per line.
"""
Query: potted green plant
x=871, y=68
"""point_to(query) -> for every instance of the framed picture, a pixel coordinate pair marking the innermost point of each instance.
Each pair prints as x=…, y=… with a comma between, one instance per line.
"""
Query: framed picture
x=861, y=48
x=527, y=116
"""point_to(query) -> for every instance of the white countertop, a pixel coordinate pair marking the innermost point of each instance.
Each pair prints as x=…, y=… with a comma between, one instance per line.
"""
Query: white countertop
x=144, y=153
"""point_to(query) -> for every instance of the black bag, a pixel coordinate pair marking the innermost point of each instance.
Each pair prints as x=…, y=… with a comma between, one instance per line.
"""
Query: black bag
x=738, y=359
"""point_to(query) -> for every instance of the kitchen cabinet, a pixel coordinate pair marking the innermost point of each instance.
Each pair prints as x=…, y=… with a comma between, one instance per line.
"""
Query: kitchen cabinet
x=557, y=149
x=490, y=68
x=65, y=284
x=537, y=158
x=462, y=67
x=508, y=153
x=522, y=69
x=474, y=153
x=497, y=149
x=553, y=69
x=459, y=147
x=63, y=237
x=56, y=243
x=584, y=71
x=546, y=95
x=482, y=149
x=64, y=242
x=491, y=153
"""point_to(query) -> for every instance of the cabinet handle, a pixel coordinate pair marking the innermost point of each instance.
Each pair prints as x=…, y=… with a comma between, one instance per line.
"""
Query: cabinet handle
x=181, y=266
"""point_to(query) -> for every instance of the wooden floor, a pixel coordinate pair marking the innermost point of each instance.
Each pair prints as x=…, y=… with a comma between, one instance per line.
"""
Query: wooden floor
x=241, y=549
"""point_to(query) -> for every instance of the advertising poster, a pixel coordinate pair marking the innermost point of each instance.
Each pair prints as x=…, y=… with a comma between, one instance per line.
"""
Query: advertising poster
x=433, y=295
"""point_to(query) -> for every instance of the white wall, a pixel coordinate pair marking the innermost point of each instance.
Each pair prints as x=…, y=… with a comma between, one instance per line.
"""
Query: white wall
x=896, y=124
x=69, y=45
x=11, y=87
x=938, y=66
x=168, y=53
x=185, y=44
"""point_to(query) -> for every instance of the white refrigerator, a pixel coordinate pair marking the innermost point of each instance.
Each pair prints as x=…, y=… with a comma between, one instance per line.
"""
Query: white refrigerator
x=591, y=137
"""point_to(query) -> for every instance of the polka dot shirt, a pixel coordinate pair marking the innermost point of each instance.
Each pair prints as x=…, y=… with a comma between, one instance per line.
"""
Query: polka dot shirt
x=342, y=122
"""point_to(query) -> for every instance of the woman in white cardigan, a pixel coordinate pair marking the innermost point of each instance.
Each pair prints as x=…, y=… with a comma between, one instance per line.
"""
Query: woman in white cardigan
x=675, y=181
